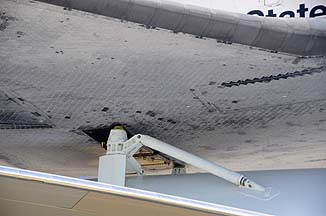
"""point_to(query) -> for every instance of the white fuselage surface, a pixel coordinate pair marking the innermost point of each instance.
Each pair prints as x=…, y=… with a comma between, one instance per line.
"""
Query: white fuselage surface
x=268, y=8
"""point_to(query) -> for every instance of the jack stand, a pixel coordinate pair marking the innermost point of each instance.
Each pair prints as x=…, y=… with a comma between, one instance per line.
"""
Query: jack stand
x=120, y=151
x=119, y=155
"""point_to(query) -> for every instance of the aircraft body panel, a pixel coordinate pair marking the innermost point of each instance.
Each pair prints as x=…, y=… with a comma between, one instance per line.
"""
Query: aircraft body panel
x=304, y=37
x=278, y=6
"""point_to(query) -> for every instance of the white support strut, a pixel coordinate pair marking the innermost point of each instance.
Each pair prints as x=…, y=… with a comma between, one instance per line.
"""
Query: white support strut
x=213, y=168
x=119, y=145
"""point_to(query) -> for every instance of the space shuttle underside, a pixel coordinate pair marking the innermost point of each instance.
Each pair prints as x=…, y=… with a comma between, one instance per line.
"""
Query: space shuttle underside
x=299, y=36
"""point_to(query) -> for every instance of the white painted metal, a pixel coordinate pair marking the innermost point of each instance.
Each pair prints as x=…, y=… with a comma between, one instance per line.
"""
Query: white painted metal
x=122, y=150
x=112, y=169
x=112, y=166
x=119, y=156
x=134, y=165
x=198, y=162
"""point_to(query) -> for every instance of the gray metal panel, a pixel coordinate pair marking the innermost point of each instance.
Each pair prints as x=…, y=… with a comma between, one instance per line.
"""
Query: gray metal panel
x=293, y=192
x=272, y=34
x=247, y=29
x=34, y=192
x=100, y=198
x=168, y=16
x=17, y=208
x=298, y=38
x=197, y=20
x=141, y=12
x=318, y=41
x=222, y=25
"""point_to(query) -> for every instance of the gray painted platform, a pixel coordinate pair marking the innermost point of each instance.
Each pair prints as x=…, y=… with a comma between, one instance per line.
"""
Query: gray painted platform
x=293, y=192
x=27, y=193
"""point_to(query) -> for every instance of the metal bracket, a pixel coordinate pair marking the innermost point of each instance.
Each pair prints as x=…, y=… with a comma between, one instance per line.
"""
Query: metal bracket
x=120, y=151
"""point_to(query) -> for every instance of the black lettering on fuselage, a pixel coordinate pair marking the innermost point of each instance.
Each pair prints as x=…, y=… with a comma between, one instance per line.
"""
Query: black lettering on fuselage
x=319, y=10
x=271, y=13
x=256, y=12
x=302, y=11
x=287, y=13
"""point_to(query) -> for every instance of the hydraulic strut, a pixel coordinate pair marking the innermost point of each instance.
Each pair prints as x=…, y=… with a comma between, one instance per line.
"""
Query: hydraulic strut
x=120, y=151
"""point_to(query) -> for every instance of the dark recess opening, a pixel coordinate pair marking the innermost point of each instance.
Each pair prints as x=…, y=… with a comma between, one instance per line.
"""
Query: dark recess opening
x=101, y=133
